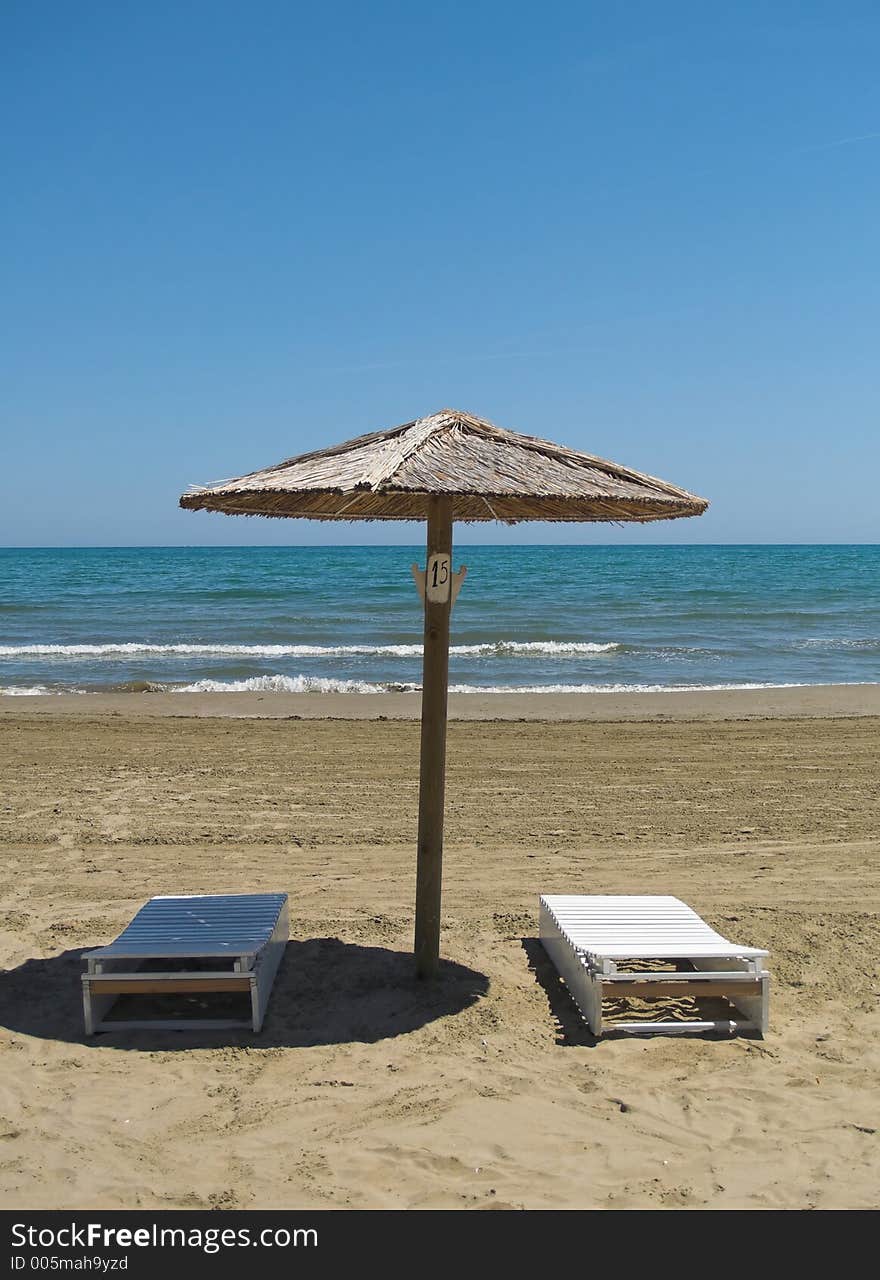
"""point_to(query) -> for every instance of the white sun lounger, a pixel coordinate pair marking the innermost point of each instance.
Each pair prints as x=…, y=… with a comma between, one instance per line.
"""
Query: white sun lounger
x=237, y=941
x=588, y=937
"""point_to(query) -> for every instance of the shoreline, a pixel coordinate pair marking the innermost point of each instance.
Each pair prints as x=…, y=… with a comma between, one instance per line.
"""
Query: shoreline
x=781, y=702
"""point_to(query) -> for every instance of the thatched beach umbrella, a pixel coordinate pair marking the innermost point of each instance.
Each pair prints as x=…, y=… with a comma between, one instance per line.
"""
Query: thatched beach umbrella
x=449, y=466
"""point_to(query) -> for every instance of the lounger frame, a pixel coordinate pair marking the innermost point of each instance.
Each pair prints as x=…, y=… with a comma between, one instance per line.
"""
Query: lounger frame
x=111, y=973
x=591, y=970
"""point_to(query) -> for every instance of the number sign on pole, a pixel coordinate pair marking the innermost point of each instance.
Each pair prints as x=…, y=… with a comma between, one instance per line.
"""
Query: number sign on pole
x=438, y=579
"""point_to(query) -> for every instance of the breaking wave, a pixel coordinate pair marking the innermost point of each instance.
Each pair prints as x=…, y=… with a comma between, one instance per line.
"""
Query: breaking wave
x=283, y=684
x=318, y=684
x=315, y=684
x=31, y=690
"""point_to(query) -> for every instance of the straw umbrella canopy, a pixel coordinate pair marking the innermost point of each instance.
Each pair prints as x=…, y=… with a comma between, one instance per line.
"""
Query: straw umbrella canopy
x=445, y=467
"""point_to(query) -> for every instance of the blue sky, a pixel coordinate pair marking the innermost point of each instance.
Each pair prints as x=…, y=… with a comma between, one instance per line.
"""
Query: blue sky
x=233, y=232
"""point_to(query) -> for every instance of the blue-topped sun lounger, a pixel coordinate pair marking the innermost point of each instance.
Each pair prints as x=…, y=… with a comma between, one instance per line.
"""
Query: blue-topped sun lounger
x=190, y=945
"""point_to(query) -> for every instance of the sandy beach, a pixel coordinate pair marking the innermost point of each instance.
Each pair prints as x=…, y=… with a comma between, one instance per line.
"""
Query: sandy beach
x=760, y=808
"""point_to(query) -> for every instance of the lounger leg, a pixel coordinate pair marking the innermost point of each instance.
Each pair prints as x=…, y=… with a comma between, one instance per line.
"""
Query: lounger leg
x=592, y=1008
x=87, y=1010
x=94, y=1006
x=266, y=968
x=755, y=1009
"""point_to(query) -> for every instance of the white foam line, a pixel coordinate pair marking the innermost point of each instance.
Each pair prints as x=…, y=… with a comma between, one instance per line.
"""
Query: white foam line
x=30, y=691
x=314, y=684
x=866, y=644
x=136, y=650
x=280, y=684
x=614, y=688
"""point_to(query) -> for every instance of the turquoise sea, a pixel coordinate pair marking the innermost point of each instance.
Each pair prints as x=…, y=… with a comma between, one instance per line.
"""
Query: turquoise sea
x=555, y=618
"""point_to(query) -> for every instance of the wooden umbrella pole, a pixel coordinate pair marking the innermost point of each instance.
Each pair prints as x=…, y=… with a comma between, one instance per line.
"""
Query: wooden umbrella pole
x=432, y=773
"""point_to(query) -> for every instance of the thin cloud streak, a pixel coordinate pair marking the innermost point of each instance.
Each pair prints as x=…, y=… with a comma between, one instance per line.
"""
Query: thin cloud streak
x=840, y=142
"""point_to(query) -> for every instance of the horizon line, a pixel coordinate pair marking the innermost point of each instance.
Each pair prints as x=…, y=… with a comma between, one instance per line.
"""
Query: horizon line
x=372, y=546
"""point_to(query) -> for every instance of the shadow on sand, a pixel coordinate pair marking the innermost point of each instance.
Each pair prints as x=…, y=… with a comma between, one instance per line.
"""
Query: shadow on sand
x=571, y=1030
x=326, y=992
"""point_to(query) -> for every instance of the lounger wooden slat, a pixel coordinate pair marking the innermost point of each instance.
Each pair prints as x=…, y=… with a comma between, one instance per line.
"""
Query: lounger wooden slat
x=586, y=935
x=164, y=984
x=237, y=939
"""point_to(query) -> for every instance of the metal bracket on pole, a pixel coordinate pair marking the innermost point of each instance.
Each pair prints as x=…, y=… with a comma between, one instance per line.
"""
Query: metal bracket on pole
x=456, y=579
x=419, y=579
